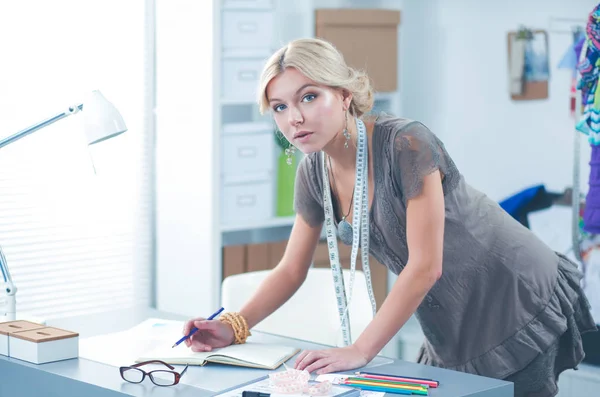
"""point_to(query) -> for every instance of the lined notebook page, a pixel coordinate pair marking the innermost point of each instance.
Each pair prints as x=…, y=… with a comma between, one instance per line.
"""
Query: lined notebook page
x=264, y=355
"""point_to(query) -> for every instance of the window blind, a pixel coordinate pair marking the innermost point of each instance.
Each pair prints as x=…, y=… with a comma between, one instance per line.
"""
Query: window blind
x=76, y=221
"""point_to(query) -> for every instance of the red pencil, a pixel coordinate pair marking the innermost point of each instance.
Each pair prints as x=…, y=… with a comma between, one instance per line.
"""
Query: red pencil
x=428, y=382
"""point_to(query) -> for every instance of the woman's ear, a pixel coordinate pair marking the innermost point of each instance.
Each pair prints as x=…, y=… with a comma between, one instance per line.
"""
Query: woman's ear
x=346, y=98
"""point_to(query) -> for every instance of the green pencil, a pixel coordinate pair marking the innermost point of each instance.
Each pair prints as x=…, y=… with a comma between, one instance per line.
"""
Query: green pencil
x=388, y=382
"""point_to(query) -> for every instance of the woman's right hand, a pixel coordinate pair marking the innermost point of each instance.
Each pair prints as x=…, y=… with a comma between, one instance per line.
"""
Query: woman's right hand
x=210, y=334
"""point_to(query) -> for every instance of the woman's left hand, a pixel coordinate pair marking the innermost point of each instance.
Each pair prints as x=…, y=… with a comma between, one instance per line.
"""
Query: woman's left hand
x=331, y=360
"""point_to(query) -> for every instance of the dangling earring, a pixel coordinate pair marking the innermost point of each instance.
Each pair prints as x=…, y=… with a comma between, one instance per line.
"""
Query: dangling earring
x=346, y=133
x=290, y=151
x=284, y=143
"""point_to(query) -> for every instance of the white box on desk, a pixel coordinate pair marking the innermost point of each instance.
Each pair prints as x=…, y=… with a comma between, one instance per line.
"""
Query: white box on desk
x=10, y=327
x=44, y=345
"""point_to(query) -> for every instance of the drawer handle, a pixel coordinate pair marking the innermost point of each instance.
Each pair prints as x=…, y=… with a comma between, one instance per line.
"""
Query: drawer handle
x=247, y=27
x=247, y=151
x=246, y=75
x=246, y=201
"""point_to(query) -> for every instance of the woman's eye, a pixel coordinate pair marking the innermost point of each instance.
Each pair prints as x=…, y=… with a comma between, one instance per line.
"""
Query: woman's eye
x=309, y=98
x=279, y=108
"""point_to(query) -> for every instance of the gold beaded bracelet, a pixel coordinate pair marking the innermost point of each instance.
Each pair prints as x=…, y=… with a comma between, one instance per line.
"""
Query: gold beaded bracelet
x=239, y=325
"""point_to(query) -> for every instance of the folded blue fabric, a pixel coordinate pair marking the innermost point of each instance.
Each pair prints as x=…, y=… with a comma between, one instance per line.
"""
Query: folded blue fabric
x=516, y=202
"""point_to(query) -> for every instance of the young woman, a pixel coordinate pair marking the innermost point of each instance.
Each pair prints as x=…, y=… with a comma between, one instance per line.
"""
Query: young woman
x=491, y=298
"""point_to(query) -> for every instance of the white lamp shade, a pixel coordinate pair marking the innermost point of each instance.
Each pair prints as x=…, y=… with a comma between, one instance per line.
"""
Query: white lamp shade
x=101, y=119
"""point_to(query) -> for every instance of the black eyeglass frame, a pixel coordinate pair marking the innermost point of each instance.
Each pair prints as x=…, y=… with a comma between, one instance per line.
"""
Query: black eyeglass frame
x=149, y=374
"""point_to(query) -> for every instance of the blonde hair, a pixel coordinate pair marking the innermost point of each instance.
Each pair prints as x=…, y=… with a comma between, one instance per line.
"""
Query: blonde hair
x=321, y=62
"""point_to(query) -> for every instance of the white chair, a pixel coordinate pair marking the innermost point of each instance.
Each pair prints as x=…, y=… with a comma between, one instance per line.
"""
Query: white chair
x=311, y=313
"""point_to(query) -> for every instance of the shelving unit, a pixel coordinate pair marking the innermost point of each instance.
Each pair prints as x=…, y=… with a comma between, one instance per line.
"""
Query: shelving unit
x=197, y=103
x=248, y=169
x=237, y=105
x=273, y=222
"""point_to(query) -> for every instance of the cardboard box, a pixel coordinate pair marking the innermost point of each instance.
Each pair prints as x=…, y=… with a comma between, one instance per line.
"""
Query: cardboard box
x=10, y=327
x=257, y=257
x=44, y=345
x=368, y=39
x=234, y=260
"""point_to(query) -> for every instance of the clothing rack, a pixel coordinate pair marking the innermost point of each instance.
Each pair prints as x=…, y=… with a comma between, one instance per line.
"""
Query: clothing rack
x=575, y=197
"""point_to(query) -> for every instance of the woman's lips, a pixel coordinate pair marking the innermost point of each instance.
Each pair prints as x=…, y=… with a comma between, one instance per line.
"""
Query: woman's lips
x=302, y=136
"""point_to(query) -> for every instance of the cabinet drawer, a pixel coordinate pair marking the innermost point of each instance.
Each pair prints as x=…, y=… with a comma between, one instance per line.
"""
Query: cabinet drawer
x=247, y=154
x=247, y=202
x=247, y=29
x=240, y=79
x=251, y=127
x=250, y=4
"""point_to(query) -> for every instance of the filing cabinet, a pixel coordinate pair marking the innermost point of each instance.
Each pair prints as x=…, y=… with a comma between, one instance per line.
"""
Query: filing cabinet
x=247, y=172
x=249, y=4
x=247, y=201
x=240, y=78
x=247, y=29
x=248, y=153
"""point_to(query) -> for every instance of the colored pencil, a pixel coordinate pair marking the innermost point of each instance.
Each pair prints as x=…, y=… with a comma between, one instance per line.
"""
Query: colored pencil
x=386, y=385
x=390, y=390
x=388, y=382
x=399, y=378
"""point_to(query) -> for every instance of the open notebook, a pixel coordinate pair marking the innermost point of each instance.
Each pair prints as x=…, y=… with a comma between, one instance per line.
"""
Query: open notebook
x=254, y=355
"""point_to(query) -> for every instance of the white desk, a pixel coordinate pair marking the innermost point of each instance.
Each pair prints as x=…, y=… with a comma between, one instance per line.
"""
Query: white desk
x=82, y=377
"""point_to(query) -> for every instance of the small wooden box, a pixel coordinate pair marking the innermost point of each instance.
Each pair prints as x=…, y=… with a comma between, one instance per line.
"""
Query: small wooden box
x=44, y=345
x=10, y=327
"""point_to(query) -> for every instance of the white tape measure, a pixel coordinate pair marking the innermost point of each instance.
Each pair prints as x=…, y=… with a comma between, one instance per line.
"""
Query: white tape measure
x=360, y=232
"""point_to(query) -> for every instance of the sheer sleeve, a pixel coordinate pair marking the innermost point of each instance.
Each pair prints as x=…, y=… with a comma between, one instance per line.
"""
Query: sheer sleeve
x=417, y=152
x=307, y=200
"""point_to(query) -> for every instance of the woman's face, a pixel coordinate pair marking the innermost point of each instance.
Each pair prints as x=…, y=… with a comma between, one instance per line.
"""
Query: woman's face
x=308, y=114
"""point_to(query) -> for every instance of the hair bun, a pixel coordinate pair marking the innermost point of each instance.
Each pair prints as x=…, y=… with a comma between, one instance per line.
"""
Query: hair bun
x=362, y=93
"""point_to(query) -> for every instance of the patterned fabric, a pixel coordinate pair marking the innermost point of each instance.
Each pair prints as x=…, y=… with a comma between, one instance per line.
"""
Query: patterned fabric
x=589, y=69
x=503, y=299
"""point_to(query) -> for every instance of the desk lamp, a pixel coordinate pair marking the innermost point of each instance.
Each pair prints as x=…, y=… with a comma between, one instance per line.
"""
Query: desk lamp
x=102, y=121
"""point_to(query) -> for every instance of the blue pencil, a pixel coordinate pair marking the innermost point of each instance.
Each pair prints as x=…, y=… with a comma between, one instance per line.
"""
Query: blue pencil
x=193, y=331
x=383, y=389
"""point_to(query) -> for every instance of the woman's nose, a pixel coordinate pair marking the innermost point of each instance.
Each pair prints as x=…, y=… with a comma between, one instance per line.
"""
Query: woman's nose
x=295, y=117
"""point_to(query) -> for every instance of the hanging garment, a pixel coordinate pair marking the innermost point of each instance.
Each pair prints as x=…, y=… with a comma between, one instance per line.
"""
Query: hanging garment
x=591, y=215
x=516, y=70
x=570, y=58
x=569, y=61
x=589, y=69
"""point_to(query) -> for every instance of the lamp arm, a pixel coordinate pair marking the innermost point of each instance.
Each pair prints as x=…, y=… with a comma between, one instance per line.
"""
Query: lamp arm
x=8, y=289
x=41, y=124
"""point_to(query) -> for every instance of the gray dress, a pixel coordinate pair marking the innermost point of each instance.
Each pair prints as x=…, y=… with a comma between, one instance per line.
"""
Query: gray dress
x=506, y=305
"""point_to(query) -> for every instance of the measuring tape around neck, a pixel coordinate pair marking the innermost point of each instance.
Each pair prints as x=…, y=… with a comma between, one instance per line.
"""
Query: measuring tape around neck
x=360, y=232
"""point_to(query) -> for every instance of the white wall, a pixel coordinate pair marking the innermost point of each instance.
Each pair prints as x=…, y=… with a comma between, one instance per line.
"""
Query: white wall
x=454, y=78
x=187, y=270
